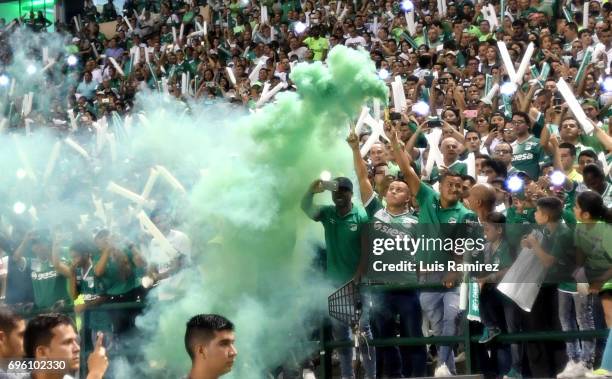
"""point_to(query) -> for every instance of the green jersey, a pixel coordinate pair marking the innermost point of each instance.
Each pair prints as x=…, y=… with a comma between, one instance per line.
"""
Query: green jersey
x=527, y=155
x=595, y=242
x=431, y=212
x=342, y=240
x=389, y=226
x=120, y=276
x=560, y=244
x=499, y=256
x=86, y=286
x=48, y=284
x=442, y=224
x=318, y=46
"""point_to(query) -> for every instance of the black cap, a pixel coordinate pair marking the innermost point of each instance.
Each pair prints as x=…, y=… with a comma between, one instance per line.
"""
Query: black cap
x=344, y=183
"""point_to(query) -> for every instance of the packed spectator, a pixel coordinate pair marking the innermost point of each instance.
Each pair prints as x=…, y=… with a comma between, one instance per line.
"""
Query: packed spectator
x=471, y=141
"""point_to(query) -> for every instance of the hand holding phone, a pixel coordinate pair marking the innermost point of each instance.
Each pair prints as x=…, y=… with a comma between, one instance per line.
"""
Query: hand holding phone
x=434, y=122
x=329, y=185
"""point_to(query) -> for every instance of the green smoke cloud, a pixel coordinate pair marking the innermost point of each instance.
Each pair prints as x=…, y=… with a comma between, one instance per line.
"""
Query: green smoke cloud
x=258, y=275
x=245, y=175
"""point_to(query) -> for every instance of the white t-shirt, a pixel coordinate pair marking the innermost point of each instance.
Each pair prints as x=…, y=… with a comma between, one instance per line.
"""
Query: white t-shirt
x=358, y=40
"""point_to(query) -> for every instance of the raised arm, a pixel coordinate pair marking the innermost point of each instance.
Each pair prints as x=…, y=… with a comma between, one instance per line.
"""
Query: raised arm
x=604, y=138
x=59, y=266
x=100, y=267
x=403, y=162
x=307, y=201
x=365, y=187
x=19, y=254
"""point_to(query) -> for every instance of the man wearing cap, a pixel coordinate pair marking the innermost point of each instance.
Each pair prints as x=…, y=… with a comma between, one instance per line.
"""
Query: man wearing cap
x=343, y=223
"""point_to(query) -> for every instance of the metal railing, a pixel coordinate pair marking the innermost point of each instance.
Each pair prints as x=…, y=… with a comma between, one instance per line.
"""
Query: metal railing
x=328, y=344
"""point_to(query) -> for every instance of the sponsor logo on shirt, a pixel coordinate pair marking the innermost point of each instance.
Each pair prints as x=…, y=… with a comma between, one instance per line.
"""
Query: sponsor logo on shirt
x=388, y=229
x=522, y=157
x=44, y=275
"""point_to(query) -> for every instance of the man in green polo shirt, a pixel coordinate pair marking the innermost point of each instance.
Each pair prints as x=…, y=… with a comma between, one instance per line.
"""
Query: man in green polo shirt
x=441, y=306
x=343, y=223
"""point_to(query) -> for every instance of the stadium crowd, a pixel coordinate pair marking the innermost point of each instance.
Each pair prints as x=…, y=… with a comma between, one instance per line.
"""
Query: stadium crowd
x=472, y=141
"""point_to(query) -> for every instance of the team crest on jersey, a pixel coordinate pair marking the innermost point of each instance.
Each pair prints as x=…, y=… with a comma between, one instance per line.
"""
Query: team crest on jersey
x=353, y=227
x=452, y=220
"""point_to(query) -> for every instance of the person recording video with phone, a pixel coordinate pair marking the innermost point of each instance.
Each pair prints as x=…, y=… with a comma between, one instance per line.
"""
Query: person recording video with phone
x=343, y=223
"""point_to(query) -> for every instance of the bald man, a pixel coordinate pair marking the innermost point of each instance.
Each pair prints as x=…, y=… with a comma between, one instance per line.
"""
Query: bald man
x=481, y=200
x=450, y=149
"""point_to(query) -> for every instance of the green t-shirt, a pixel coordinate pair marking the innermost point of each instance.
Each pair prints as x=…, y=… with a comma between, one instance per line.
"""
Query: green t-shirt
x=518, y=224
x=387, y=226
x=560, y=244
x=430, y=211
x=235, y=8
x=318, y=46
x=595, y=241
x=90, y=288
x=527, y=155
x=116, y=281
x=343, y=241
x=501, y=256
x=188, y=17
x=48, y=284
x=166, y=38
x=431, y=218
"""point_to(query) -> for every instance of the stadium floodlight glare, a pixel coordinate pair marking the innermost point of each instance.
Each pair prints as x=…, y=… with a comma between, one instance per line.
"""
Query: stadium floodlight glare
x=421, y=108
x=508, y=88
x=325, y=176
x=407, y=6
x=384, y=74
x=4, y=80
x=21, y=173
x=19, y=207
x=72, y=60
x=557, y=178
x=299, y=27
x=514, y=183
x=31, y=69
